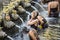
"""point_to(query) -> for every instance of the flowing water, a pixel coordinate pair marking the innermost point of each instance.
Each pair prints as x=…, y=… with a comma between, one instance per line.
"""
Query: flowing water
x=21, y=19
x=28, y=15
x=40, y=6
x=10, y=38
x=17, y=26
x=34, y=8
x=52, y=32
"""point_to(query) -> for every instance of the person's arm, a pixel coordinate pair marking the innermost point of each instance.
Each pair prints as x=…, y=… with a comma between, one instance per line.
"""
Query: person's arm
x=49, y=8
x=31, y=22
x=58, y=6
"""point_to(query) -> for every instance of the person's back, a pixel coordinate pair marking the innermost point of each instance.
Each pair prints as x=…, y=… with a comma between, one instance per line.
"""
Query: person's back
x=53, y=4
x=53, y=8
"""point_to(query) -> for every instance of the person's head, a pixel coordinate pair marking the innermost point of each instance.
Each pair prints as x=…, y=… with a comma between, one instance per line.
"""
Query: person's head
x=34, y=14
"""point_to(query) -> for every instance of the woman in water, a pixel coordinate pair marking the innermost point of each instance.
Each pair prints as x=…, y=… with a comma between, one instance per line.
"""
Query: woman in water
x=34, y=21
x=53, y=9
x=37, y=20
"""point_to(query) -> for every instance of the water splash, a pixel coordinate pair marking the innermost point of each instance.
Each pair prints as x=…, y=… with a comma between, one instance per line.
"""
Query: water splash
x=26, y=37
x=10, y=37
x=40, y=6
x=34, y=8
x=28, y=17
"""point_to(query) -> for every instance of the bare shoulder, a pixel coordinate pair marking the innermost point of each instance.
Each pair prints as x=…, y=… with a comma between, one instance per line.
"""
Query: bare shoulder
x=53, y=2
x=39, y=17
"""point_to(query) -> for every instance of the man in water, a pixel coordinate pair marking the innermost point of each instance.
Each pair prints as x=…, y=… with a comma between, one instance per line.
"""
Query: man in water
x=53, y=9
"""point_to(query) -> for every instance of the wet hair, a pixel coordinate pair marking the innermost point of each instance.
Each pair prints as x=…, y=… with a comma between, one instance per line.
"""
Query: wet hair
x=36, y=14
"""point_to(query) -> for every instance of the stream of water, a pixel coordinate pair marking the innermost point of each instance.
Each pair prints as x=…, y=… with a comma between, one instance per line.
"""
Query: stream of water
x=10, y=38
x=40, y=6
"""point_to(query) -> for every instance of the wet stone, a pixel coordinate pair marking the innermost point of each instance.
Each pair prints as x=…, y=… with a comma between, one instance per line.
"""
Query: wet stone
x=15, y=16
x=9, y=24
x=2, y=34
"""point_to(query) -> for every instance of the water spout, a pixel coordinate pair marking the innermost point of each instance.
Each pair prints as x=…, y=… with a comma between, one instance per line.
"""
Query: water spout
x=34, y=8
x=21, y=19
x=10, y=38
x=17, y=26
x=28, y=13
x=28, y=18
x=40, y=5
